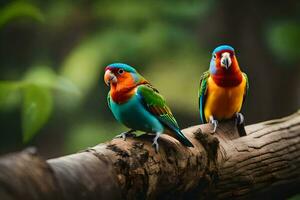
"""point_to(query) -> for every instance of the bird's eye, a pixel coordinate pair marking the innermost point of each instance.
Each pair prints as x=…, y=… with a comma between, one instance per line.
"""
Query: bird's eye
x=120, y=71
x=215, y=56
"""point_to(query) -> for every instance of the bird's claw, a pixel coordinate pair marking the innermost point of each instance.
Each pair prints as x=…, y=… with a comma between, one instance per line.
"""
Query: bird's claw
x=155, y=145
x=239, y=119
x=126, y=134
x=122, y=135
x=214, y=122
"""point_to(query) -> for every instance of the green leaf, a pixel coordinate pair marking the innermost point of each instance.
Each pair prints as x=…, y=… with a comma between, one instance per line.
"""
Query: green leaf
x=46, y=77
x=37, y=107
x=9, y=94
x=83, y=65
x=19, y=9
x=65, y=85
x=40, y=75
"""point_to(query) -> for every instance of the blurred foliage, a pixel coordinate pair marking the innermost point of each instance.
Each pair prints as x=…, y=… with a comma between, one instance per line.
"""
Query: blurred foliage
x=52, y=72
x=296, y=197
x=89, y=133
x=130, y=32
x=284, y=40
x=9, y=95
x=19, y=9
x=37, y=106
x=35, y=92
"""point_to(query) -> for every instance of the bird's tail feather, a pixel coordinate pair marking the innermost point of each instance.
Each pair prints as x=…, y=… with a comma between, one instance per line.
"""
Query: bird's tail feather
x=176, y=133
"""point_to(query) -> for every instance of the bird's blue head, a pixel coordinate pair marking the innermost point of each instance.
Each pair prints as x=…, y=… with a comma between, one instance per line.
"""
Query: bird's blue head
x=222, y=58
x=120, y=72
x=122, y=66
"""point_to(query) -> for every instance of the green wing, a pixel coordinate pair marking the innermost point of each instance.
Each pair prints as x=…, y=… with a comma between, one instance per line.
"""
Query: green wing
x=247, y=87
x=156, y=105
x=202, y=94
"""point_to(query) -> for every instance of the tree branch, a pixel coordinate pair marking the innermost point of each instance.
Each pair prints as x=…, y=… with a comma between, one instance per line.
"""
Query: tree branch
x=223, y=166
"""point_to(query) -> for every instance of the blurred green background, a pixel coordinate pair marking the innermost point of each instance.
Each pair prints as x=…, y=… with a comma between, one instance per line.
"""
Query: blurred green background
x=52, y=56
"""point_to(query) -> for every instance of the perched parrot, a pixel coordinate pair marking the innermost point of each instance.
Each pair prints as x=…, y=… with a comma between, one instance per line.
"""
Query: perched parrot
x=223, y=88
x=137, y=104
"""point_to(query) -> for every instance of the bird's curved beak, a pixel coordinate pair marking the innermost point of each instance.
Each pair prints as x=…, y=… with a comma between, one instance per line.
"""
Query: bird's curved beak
x=109, y=77
x=226, y=60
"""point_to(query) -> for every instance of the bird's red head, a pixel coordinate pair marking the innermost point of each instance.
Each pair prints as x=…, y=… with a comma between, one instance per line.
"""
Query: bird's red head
x=224, y=66
x=225, y=61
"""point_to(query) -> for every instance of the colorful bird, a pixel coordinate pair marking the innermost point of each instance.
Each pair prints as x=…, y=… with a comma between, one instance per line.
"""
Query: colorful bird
x=223, y=88
x=137, y=104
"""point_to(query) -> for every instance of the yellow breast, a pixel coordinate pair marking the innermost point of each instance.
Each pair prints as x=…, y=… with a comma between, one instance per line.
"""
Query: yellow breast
x=223, y=102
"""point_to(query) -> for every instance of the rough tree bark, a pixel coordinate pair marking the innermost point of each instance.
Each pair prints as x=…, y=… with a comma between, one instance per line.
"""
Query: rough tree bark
x=263, y=164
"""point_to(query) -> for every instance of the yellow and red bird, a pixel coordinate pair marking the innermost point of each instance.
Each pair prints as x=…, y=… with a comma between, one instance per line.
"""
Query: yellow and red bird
x=223, y=88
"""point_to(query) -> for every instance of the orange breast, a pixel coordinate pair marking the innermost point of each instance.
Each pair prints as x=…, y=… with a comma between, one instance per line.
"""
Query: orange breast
x=223, y=102
x=123, y=90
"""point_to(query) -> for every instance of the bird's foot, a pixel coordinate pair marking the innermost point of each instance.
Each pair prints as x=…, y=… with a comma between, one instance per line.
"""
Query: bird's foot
x=239, y=119
x=123, y=135
x=155, y=146
x=155, y=143
x=214, y=122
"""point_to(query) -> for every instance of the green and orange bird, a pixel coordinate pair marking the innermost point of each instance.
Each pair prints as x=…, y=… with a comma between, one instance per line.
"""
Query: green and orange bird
x=223, y=88
x=137, y=104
